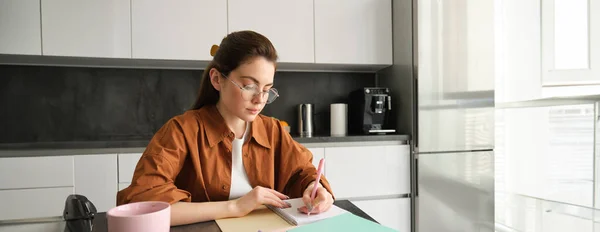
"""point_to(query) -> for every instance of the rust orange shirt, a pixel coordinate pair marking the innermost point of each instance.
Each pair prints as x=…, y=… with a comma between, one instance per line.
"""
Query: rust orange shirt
x=189, y=159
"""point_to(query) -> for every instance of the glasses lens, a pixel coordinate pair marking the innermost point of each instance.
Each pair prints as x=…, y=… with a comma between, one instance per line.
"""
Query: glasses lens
x=249, y=93
x=273, y=94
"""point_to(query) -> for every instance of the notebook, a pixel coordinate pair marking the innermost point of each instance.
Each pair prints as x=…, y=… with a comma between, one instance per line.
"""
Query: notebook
x=261, y=219
x=343, y=222
x=295, y=217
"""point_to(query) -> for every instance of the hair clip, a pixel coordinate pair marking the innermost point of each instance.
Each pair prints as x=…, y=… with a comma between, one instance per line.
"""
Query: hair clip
x=213, y=50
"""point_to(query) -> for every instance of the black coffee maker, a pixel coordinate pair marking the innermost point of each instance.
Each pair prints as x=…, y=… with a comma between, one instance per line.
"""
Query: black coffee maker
x=368, y=111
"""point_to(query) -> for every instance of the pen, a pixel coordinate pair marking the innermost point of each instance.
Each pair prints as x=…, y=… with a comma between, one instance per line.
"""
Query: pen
x=314, y=190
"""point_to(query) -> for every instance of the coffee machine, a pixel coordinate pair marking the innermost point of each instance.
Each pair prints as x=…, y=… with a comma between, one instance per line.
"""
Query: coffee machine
x=368, y=111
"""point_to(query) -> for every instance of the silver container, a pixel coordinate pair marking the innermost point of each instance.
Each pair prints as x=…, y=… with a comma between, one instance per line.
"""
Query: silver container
x=305, y=120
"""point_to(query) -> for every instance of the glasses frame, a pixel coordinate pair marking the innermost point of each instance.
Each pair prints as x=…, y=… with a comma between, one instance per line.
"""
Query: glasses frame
x=273, y=90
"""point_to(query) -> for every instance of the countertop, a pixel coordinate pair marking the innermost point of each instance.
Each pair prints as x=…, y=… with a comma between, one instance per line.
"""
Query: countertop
x=138, y=146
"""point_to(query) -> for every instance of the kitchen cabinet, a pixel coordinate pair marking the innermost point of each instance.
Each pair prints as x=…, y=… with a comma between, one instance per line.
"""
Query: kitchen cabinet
x=124, y=185
x=96, y=178
x=127, y=163
x=24, y=179
x=380, y=170
x=95, y=28
x=177, y=30
x=393, y=213
x=20, y=26
x=288, y=24
x=36, y=172
x=318, y=154
x=353, y=31
x=570, y=42
x=33, y=203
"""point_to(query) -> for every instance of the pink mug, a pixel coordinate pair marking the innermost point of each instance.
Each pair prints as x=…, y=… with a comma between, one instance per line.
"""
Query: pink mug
x=148, y=216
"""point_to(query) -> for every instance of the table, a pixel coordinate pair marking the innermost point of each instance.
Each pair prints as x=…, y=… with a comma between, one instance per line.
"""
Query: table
x=211, y=226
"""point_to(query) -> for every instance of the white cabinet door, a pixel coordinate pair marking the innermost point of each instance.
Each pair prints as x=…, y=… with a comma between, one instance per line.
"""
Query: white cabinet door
x=33, y=203
x=570, y=42
x=353, y=31
x=96, y=179
x=318, y=154
x=393, y=213
x=288, y=24
x=93, y=28
x=58, y=226
x=181, y=30
x=20, y=28
x=379, y=170
x=127, y=163
x=36, y=172
x=123, y=185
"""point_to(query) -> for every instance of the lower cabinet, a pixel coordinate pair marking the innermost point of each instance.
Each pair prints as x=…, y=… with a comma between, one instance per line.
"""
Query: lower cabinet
x=58, y=226
x=37, y=187
x=393, y=213
x=378, y=170
x=318, y=154
x=96, y=179
x=123, y=185
x=18, y=204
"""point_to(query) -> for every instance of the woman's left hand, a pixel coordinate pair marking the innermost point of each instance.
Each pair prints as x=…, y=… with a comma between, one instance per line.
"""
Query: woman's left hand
x=322, y=202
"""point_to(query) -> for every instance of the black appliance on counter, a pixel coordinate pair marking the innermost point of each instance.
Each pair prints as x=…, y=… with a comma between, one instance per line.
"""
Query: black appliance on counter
x=368, y=111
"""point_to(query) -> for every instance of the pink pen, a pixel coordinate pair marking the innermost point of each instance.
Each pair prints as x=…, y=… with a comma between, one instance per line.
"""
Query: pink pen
x=314, y=190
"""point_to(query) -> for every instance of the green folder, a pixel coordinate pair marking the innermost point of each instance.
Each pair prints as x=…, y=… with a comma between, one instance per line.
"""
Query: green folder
x=343, y=222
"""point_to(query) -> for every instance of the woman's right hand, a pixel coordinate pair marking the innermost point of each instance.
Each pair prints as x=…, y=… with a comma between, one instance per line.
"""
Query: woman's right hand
x=257, y=197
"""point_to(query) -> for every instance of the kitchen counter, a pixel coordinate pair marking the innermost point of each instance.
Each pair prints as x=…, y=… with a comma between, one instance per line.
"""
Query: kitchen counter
x=351, y=138
x=138, y=146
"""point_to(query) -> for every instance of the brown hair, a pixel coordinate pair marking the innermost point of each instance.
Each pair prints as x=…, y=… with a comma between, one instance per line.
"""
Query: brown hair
x=235, y=48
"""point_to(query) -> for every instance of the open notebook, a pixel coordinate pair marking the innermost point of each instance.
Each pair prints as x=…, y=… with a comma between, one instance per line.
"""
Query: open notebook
x=295, y=217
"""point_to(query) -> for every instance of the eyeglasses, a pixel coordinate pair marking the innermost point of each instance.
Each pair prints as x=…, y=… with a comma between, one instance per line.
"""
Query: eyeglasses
x=251, y=91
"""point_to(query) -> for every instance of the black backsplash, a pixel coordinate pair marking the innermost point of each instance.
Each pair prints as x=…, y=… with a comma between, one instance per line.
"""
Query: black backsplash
x=63, y=104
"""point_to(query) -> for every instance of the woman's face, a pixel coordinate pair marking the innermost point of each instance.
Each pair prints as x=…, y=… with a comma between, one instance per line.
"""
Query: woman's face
x=256, y=74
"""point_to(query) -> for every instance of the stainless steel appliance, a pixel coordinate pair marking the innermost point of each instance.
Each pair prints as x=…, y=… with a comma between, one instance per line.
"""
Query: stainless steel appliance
x=443, y=82
x=305, y=120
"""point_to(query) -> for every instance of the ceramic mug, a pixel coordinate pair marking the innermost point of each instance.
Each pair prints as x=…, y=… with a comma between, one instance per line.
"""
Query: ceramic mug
x=148, y=216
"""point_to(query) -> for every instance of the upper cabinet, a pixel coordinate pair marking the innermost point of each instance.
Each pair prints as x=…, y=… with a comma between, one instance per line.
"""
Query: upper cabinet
x=92, y=28
x=20, y=27
x=570, y=42
x=344, y=35
x=353, y=31
x=288, y=24
x=178, y=30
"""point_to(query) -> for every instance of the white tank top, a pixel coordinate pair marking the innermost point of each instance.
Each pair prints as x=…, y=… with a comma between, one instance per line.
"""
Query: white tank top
x=239, y=179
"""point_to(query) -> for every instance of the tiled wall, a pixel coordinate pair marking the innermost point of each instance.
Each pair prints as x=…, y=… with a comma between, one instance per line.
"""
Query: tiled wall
x=47, y=104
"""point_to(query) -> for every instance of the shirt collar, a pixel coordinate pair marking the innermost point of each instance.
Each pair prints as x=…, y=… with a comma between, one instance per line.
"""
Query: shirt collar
x=259, y=132
x=216, y=129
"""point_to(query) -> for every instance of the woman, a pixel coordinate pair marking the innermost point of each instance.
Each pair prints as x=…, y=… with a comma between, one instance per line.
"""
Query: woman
x=222, y=158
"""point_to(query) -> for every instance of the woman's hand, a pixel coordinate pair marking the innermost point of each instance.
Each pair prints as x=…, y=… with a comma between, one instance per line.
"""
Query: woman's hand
x=257, y=197
x=322, y=202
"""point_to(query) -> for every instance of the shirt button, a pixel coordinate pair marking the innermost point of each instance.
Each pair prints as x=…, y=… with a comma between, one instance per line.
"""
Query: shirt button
x=246, y=154
x=224, y=187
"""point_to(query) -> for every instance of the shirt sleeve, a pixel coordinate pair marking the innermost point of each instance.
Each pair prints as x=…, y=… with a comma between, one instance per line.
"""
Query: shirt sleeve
x=155, y=172
x=296, y=170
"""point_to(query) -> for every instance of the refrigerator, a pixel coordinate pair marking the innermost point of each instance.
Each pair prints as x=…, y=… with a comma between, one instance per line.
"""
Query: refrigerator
x=443, y=81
